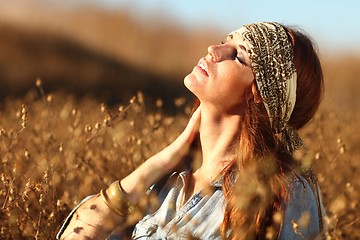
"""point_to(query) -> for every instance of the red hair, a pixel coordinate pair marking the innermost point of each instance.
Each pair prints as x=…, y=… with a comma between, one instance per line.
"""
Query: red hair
x=310, y=85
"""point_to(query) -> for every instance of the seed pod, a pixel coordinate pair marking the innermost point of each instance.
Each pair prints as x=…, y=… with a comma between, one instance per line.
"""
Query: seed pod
x=27, y=154
x=38, y=82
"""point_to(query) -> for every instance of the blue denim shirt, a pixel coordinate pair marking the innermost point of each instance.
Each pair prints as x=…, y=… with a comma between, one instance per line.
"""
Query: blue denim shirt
x=201, y=216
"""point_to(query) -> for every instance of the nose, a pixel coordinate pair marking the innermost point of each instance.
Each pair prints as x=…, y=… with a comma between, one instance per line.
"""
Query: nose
x=221, y=52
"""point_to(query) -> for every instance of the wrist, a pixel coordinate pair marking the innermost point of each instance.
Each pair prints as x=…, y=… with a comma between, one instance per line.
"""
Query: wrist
x=116, y=199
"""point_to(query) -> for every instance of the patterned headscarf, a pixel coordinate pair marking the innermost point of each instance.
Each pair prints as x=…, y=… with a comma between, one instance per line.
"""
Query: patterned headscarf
x=272, y=61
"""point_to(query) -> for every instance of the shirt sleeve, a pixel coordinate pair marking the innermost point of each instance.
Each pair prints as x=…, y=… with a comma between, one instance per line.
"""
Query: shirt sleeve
x=69, y=217
x=301, y=219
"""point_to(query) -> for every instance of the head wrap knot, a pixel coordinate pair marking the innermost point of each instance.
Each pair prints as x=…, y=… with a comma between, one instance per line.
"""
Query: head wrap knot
x=272, y=61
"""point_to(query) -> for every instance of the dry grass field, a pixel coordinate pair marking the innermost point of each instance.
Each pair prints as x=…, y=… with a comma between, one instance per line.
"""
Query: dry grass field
x=57, y=146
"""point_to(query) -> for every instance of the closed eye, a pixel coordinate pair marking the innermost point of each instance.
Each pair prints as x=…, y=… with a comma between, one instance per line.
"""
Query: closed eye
x=240, y=57
x=237, y=54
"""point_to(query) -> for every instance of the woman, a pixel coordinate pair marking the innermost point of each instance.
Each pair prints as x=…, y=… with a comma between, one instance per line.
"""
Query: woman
x=254, y=91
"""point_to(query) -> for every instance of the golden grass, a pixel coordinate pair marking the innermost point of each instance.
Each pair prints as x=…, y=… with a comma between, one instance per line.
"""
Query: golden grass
x=55, y=150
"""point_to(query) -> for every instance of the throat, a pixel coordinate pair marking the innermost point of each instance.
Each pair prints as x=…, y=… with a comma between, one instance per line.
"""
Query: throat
x=194, y=185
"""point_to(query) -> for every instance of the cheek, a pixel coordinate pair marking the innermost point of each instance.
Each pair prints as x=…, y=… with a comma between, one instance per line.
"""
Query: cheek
x=238, y=85
x=238, y=80
x=248, y=77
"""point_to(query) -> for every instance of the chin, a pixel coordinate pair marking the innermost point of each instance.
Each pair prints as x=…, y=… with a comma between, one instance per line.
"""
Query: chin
x=189, y=81
x=193, y=85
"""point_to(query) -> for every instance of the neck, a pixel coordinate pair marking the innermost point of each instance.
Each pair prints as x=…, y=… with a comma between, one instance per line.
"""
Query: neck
x=218, y=134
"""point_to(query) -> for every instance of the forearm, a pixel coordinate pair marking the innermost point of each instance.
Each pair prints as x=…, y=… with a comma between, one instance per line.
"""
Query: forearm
x=139, y=181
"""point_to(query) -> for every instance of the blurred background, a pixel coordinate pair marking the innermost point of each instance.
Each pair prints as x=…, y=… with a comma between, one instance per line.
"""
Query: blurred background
x=111, y=49
x=91, y=54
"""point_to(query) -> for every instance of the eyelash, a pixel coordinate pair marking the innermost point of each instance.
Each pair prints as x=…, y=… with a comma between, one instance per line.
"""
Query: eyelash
x=236, y=55
x=240, y=59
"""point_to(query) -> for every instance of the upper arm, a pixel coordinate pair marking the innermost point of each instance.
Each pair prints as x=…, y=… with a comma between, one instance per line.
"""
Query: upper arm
x=301, y=219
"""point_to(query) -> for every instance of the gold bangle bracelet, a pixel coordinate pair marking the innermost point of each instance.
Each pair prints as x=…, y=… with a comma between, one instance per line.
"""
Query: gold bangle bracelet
x=115, y=198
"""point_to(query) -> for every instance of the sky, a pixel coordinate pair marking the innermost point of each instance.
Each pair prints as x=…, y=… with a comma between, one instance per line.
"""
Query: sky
x=334, y=25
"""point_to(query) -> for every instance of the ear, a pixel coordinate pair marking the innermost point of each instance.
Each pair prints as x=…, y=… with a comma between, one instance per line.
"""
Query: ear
x=256, y=94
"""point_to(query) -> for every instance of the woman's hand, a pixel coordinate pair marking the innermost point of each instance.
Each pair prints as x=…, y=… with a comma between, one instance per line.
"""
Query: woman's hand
x=95, y=220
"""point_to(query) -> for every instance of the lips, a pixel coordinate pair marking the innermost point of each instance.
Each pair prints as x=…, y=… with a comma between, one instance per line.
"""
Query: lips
x=202, y=67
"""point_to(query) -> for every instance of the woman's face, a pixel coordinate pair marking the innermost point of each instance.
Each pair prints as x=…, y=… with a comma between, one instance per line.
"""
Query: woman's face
x=223, y=76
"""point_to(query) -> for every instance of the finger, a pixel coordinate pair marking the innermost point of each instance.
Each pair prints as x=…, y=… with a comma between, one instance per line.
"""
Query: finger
x=196, y=117
x=191, y=129
x=194, y=122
